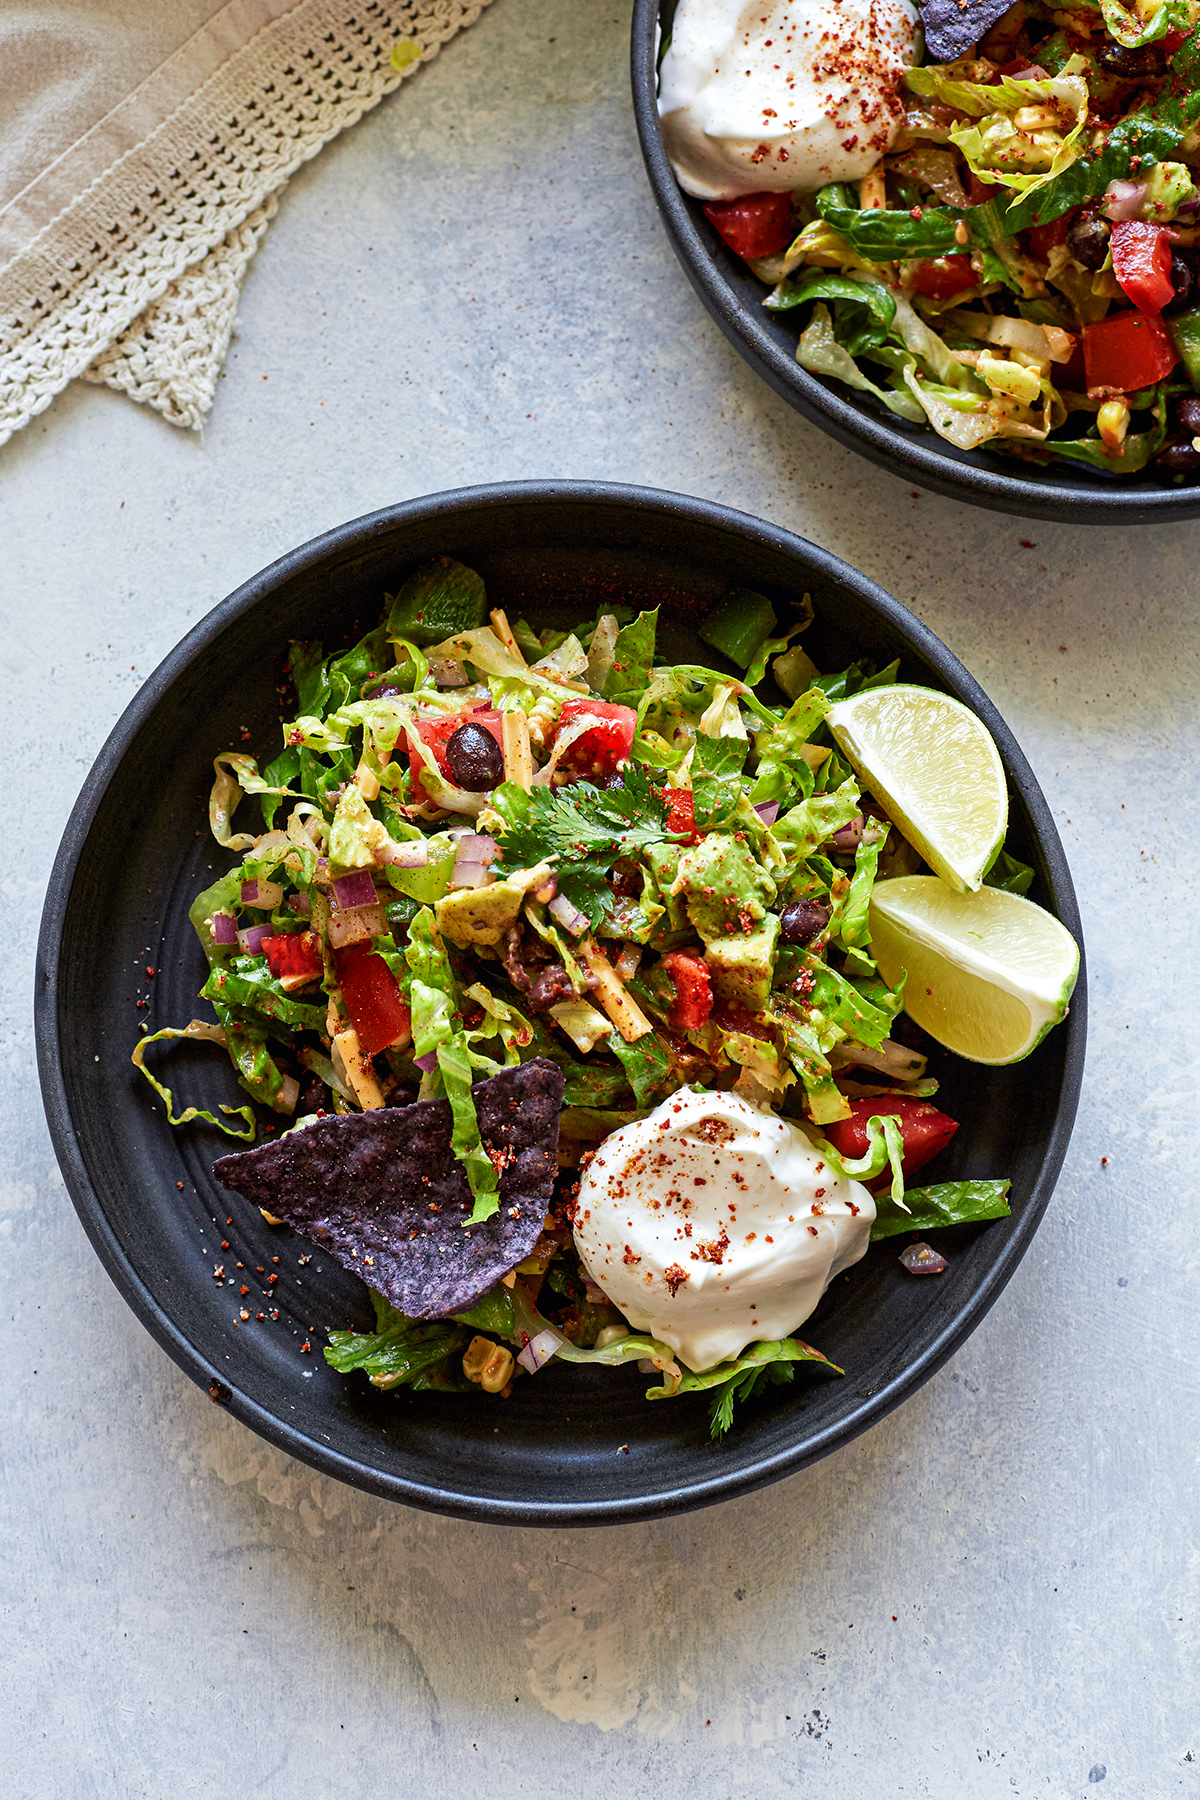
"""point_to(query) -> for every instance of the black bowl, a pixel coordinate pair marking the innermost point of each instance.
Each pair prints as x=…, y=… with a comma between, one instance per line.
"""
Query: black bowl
x=734, y=297
x=137, y=850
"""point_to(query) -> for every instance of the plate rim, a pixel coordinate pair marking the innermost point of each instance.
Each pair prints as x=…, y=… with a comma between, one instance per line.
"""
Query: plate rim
x=908, y=457
x=352, y=535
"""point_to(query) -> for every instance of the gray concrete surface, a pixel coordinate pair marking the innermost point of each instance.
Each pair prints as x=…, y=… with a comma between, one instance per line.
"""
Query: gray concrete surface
x=994, y=1593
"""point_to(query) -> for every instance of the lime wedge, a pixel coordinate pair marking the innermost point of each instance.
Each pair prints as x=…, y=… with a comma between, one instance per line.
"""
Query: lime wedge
x=988, y=973
x=934, y=769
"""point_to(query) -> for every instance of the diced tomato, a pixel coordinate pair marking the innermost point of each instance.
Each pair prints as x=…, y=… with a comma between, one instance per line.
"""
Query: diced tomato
x=293, y=955
x=693, y=990
x=941, y=277
x=605, y=747
x=1044, y=238
x=925, y=1130
x=1126, y=351
x=681, y=810
x=1141, y=256
x=1171, y=41
x=436, y=733
x=755, y=224
x=373, y=998
x=979, y=192
x=735, y=1018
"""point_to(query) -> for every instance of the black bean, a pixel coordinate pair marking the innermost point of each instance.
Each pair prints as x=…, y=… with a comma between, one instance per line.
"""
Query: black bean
x=1132, y=65
x=1177, y=464
x=803, y=921
x=1188, y=414
x=1181, y=281
x=551, y=986
x=314, y=1097
x=474, y=759
x=1087, y=239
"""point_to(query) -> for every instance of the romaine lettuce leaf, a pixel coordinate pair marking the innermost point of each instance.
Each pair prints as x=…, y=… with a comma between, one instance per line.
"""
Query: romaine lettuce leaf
x=946, y=1203
x=820, y=353
x=198, y=1029
x=647, y=1065
x=432, y=997
x=633, y=657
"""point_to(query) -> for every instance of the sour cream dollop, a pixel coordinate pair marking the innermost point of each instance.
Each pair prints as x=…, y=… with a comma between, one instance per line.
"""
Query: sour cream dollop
x=773, y=94
x=713, y=1223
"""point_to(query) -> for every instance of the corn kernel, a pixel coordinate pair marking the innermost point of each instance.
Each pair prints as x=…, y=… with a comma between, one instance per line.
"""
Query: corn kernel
x=487, y=1363
x=1112, y=422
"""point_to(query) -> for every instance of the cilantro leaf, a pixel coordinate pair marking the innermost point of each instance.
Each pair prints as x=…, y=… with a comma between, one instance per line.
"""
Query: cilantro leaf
x=581, y=823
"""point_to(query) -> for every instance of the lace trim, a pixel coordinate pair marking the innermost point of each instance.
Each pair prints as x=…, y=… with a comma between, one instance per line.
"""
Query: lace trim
x=170, y=358
x=185, y=192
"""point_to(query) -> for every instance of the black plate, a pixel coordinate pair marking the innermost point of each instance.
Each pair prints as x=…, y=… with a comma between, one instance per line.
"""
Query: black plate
x=734, y=297
x=137, y=850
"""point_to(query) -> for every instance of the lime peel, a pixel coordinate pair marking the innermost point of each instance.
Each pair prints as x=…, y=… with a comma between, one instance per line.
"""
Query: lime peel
x=936, y=770
x=988, y=973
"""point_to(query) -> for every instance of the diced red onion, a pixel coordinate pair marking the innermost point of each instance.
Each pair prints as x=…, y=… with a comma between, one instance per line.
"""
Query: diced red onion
x=850, y=836
x=301, y=905
x=355, y=925
x=223, y=927
x=628, y=961
x=426, y=1064
x=596, y=1296
x=412, y=854
x=922, y=1259
x=768, y=811
x=568, y=916
x=449, y=673
x=355, y=890
x=539, y=1350
x=262, y=894
x=289, y=1093
x=471, y=859
x=1123, y=200
x=250, y=941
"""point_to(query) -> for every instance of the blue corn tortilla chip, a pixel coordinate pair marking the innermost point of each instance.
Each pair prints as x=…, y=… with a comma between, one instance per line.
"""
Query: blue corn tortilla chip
x=383, y=1192
x=952, y=27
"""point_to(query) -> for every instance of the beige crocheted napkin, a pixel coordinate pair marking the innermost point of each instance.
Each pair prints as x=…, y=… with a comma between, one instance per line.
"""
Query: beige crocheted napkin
x=143, y=148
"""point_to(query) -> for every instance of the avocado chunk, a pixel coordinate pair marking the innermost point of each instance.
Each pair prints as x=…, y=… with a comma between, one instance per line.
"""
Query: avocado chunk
x=741, y=965
x=723, y=888
x=482, y=915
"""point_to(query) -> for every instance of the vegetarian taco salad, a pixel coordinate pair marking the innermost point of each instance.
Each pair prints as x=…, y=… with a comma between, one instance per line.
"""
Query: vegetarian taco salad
x=589, y=996
x=987, y=218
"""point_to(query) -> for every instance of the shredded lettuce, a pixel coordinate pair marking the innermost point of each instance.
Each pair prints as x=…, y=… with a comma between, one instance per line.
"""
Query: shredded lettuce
x=947, y=1203
x=820, y=353
x=435, y=1029
x=201, y=1030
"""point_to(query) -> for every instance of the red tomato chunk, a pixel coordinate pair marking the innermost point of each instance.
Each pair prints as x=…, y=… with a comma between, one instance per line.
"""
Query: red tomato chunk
x=693, y=991
x=373, y=998
x=605, y=747
x=681, y=810
x=924, y=1129
x=755, y=224
x=1141, y=257
x=1044, y=238
x=1127, y=351
x=293, y=955
x=942, y=277
x=436, y=733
